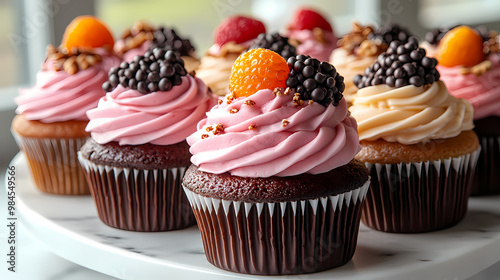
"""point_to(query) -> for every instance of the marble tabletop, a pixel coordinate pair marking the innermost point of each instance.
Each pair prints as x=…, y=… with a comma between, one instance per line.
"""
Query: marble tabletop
x=69, y=226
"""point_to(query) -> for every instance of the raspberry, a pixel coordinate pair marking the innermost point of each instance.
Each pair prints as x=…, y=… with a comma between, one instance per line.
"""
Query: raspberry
x=238, y=29
x=308, y=19
x=258, y=69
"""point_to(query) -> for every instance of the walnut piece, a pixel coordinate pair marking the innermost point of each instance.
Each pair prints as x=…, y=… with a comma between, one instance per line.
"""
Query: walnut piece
x=73, y=62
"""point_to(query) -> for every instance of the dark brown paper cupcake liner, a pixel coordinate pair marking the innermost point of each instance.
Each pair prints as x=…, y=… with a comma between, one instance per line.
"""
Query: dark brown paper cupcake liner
x=54, y=164
x=420, y=196
x=487, y=177
x=139, y=200
x=279, y=238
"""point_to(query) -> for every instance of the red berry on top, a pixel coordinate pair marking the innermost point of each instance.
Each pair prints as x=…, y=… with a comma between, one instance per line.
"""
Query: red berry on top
x=308, y=19
x=237, y=29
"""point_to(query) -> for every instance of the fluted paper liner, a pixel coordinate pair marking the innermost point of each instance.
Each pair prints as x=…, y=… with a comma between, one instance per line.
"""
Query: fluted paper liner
x=420, y=196
x=279, y=238
x=487, y=177
x=139, y=199
x=54, y=164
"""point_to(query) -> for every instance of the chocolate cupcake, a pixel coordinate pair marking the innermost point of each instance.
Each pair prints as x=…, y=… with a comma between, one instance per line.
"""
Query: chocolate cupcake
x=137, y=154
x=416, y=140
x=50, y=123
x=273, y=185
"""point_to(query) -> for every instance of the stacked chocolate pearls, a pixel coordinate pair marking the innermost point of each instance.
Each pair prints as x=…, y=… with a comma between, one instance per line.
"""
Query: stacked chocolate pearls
x=156, y=70
x=276, y=43
x=404, y=63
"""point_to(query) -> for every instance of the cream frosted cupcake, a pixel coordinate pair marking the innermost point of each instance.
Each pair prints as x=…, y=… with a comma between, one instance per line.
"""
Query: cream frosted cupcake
x=231, y=37
x=312, y=34
x=50, y=123
x=416, y=140
x=142, y=37
x=360, y=48
x=137, y=154
x=470, y=67
x=273, y=185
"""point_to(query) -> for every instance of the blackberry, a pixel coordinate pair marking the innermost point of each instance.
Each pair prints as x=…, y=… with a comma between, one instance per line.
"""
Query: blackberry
x=389, y=33
x=276, y=43
x=167, y=39
x=434, y=36
x=315, y=80
x=404, y=63
x=157, y=70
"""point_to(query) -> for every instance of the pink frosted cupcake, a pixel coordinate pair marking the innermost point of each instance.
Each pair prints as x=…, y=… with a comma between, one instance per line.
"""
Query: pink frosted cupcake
x=469, y=64
x=312, y=34
x=142, y=37
x=50, y=123
x=137, y=154
x=231, y=37
x=273, y=185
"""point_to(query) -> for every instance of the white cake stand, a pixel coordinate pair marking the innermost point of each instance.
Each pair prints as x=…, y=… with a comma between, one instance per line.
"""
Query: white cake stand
x=71, y=228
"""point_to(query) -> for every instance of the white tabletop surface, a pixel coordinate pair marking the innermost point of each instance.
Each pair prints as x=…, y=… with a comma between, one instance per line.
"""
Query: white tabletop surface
x=463, y=252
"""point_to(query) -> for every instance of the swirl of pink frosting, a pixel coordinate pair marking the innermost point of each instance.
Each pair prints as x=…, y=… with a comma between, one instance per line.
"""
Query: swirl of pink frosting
x=309, y=44
x=483, y=92
x=162, y=118
x=286, y=140
x=129, y=55
x=58, y=96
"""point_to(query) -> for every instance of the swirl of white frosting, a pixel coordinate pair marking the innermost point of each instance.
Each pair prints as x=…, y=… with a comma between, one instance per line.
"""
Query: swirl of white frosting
x=410, y=114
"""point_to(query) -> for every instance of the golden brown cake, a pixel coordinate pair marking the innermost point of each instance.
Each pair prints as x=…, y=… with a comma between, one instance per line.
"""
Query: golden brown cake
x=51, y=116
x=416, y=140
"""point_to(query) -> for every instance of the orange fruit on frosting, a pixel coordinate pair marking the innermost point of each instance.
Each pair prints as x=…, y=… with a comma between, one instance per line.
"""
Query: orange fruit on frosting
x=461, y=46
x=258, y=69
x=87, y=32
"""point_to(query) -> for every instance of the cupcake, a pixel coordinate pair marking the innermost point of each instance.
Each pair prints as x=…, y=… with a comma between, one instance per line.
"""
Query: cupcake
x=312, y=34
x=469, y=64
x=137, y=154
x=417, y=141
x=142, y=37
x=273, y=184
x=231, y=37
x=360, y=48
x=50, y=123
